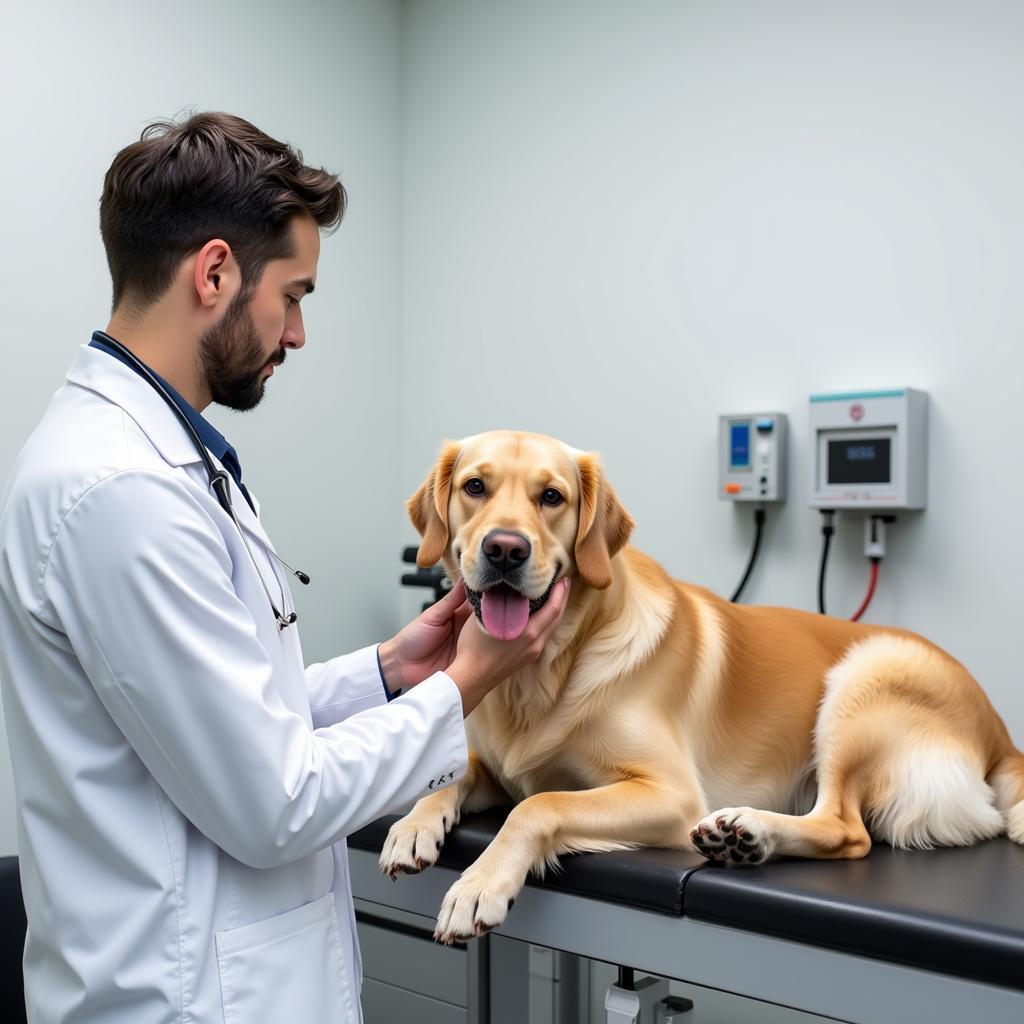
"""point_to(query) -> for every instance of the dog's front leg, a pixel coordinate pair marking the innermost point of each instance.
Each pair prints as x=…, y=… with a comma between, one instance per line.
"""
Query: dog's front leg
x=620, y=816
x=414, y=842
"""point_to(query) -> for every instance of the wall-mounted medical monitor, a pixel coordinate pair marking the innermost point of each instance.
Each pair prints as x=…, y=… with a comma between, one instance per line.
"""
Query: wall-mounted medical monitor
x=869, y=449
x=752, y=456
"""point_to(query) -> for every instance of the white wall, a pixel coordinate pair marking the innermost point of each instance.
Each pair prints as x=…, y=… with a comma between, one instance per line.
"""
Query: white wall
x=79, y=81
x=624, y=219
x=605, y=221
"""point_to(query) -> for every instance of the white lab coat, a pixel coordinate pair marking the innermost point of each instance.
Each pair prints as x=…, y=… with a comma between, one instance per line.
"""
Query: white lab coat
x=184, y=783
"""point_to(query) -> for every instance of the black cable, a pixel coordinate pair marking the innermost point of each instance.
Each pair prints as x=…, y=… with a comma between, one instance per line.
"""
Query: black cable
x=758, y=530
x=827, y=529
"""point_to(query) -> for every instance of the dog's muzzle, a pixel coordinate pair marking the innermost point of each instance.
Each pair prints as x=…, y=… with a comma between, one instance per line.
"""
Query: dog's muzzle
x=498, y=607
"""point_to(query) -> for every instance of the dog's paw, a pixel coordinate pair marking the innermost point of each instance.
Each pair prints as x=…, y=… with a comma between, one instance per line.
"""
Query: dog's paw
x=476, y=903
x=412, y=844
x=734, y=835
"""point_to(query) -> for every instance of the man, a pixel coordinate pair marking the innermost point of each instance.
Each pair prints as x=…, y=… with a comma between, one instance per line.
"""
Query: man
x=184, y=783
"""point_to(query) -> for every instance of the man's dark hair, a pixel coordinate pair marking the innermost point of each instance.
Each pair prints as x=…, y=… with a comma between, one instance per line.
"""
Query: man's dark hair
x=212, y=175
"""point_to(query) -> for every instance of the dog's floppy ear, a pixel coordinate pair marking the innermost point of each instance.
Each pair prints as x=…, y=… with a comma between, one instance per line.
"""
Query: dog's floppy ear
x=604, y=525
x=428, y=507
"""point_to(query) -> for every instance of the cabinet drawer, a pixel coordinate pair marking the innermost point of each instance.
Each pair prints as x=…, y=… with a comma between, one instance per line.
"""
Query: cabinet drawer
x=385, y=1004
x=410, y=959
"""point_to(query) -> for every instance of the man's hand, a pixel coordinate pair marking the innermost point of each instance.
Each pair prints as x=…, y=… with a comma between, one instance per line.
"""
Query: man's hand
x=428, y=644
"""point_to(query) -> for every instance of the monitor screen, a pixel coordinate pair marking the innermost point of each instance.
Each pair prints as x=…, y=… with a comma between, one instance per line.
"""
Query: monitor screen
x=862, y=460
x=739, y=446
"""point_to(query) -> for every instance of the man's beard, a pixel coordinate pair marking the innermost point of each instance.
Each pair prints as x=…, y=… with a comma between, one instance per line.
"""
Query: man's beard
x=233, y=359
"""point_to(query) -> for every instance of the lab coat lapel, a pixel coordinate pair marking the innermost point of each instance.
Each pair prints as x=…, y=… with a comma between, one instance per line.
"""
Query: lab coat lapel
x=102, y=373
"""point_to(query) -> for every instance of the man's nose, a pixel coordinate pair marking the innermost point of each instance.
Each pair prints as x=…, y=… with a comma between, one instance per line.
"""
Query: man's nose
x=294, y=334
x=506, y=550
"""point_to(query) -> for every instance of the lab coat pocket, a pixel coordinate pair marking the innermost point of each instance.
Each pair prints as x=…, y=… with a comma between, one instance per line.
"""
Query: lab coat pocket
x=285, y=970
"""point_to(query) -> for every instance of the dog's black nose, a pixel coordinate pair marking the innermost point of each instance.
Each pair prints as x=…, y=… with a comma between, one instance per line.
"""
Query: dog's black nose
x=506, y=550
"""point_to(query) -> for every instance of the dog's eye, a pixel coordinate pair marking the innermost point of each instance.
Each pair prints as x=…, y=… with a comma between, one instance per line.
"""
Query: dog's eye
x=551, y=497
x=474, y=487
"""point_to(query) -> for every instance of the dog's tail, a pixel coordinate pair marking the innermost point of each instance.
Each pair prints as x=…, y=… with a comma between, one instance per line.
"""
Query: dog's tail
x=1008, y=782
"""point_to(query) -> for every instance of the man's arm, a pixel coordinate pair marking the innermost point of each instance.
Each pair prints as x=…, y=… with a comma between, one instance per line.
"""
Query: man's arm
x=345, y=685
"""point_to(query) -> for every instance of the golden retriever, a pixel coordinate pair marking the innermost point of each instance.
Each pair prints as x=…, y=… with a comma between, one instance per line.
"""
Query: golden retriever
x=656, y=702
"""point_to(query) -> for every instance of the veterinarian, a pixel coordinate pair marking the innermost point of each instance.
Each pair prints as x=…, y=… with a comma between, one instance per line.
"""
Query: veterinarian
x=184, y=781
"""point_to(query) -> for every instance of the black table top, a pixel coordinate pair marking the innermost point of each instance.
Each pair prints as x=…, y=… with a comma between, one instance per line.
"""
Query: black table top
x=648, y=879
x=958, y=911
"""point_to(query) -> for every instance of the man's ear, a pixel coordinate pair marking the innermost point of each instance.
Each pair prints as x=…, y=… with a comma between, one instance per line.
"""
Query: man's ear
x=428, y=507
x=604, y=525
x=216, y=274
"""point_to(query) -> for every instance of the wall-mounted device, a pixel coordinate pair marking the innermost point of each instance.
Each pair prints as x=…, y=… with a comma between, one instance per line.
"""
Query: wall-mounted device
x=869, y=450
x=752, y=457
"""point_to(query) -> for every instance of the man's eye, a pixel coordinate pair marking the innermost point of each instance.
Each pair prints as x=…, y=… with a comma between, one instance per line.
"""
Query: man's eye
x=292, y=301
x=474, y=487
x=551, y=497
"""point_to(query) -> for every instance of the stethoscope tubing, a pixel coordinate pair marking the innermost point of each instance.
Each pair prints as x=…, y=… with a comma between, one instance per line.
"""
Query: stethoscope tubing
x=218, y=478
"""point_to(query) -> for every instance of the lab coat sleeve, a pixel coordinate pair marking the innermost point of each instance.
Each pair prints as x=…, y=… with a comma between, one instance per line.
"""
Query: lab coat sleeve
x=344, y=686
x=140, y=579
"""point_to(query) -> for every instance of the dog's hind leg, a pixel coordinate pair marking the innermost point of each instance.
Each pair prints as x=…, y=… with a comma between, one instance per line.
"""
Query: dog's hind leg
x=901, y=748
x=1008, y=782
x=744, y=835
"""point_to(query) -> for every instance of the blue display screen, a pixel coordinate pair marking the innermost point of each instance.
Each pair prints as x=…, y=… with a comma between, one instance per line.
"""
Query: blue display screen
x=739, y=446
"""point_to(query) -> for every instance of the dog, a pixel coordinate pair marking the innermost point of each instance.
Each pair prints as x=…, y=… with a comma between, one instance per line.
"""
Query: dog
x=661, y=715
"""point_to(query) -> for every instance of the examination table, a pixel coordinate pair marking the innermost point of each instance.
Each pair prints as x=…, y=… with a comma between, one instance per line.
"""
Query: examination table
x=903, y=936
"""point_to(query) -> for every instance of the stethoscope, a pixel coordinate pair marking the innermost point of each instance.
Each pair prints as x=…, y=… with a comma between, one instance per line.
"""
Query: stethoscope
x=219, y=479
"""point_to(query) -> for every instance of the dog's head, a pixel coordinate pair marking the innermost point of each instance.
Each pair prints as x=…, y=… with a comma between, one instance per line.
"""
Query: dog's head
x=511, y=513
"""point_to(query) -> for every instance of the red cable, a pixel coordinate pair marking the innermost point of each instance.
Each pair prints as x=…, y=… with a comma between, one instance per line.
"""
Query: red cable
x=872, y=583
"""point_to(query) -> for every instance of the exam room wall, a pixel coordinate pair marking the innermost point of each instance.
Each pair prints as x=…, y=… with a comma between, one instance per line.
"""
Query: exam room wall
x=81, y=80
x=624, y=219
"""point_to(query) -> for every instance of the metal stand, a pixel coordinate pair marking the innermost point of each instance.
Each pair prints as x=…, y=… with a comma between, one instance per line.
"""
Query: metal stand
x=434, y=578
x=647, y=1002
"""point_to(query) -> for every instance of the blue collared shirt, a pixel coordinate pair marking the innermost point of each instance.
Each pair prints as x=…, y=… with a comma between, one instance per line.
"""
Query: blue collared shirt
x=210, y=436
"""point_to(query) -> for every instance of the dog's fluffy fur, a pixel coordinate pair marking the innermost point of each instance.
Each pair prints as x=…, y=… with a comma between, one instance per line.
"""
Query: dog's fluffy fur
x=656, y=702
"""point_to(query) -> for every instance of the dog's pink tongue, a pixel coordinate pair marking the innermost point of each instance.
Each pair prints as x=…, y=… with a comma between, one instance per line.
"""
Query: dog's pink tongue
x=505, y=613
